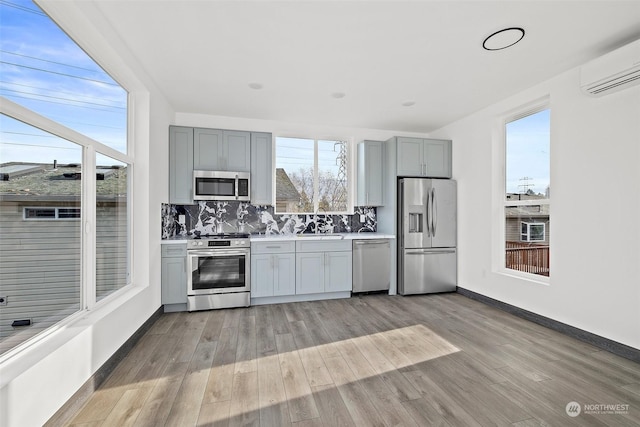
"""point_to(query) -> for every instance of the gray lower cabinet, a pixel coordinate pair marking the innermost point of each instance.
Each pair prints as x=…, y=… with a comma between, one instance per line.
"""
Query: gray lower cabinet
x=180, y=165
x=370, y=170
x=323, y=266
x=174, y=277
x=273, y=269
x=261, y=169
x=423, y=157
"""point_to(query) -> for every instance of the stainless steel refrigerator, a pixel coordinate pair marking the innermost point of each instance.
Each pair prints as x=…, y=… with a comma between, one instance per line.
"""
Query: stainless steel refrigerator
x=426, y=236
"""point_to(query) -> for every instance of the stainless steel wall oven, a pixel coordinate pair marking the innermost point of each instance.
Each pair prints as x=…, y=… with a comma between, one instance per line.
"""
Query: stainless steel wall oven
x=220, y=272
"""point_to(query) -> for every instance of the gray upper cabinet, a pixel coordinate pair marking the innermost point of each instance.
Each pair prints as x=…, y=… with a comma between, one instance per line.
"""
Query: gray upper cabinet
x=261, y=169
x=370, y=173
x=236, y=151
x=217, y=150
x=423, y=157
x=207, y=149
x=221, y=150
x=180, y=165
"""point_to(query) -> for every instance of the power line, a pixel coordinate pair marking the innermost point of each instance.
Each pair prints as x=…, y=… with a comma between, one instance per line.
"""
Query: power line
x=49, y=90
x=28, y=134
x=51, y=62
x=60, y=74
x=22, y=8
x=63, y=99
x=40, y=146
x=62, y=103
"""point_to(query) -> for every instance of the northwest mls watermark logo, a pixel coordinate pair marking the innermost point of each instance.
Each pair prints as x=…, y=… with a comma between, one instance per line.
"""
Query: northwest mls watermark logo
x=574, y=409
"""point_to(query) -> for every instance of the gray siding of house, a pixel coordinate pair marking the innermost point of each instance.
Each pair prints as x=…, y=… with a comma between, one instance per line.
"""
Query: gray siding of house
x=40, y=266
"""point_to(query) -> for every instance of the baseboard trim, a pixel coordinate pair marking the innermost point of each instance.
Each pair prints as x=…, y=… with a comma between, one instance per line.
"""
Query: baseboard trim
x=603, y=343
x=75, y=403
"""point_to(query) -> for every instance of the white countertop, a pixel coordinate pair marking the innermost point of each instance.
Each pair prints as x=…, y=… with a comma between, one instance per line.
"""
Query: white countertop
x=294, y=237
x=309, y=236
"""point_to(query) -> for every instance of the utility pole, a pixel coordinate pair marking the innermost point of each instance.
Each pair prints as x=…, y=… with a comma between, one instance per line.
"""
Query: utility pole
x=525, y=187
x=341, y=161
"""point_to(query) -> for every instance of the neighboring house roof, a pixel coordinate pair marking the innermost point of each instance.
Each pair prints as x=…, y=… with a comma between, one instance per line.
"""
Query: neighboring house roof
x=36, y=181
x=526, y=211
x=285, y=190
x=537, y=211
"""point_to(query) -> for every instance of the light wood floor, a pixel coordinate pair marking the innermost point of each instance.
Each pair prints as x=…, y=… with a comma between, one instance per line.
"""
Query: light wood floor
x=437, y=360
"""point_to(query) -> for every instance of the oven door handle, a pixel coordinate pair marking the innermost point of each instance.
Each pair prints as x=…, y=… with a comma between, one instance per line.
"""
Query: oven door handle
x=193, y=253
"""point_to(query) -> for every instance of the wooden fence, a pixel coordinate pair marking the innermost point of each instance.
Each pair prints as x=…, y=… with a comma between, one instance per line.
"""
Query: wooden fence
x=528, y=257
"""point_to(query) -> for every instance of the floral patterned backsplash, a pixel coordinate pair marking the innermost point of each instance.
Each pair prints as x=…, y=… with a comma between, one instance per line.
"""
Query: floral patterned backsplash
x=225, y=217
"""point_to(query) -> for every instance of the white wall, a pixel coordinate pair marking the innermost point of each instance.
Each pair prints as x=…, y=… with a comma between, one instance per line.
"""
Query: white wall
x=40, y=379
x=283, y=128
x=595, y=209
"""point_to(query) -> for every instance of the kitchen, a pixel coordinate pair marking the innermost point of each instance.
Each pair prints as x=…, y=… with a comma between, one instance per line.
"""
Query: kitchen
x=582, y=124
x=227, y=229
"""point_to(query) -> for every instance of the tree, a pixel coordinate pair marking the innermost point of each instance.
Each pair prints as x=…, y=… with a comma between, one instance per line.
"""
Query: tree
x=332, y=193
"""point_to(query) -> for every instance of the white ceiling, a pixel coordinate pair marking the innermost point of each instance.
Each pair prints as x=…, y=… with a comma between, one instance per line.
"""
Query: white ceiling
x=204, y=54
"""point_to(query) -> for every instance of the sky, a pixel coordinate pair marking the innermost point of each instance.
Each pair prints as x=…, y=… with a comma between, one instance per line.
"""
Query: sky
x=527, y=153
x=42, y=69
x=295, y=153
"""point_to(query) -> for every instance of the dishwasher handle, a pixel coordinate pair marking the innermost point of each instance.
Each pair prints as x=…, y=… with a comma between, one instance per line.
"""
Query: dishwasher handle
x=370, y=242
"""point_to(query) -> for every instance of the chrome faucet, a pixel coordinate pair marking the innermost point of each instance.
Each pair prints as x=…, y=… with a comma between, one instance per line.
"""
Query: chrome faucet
x=315, y=218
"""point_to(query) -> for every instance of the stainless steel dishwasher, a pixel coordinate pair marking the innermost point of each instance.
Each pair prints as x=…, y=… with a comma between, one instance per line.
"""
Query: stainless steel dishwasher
x=371, y=264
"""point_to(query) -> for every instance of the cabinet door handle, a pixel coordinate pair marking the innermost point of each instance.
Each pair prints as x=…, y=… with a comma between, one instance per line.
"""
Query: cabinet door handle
x=272, y=262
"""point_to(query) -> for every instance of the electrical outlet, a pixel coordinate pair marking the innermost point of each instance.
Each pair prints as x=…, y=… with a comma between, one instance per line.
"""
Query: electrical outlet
x=362, y=218
x=181, y=219
x=3, y=300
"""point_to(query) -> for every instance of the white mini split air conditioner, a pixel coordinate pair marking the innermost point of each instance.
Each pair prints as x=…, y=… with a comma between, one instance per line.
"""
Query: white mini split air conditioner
x=614, y=71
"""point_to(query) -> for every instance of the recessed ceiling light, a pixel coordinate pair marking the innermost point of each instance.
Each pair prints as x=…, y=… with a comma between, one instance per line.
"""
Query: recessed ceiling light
x=503, y=39
x=255, y=85
x=408, y=103
x=338, y=95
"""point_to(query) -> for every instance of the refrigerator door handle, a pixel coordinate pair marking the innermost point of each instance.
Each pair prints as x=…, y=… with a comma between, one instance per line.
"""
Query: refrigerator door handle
x=434, y=212
x=428, y=214
x=428, y=252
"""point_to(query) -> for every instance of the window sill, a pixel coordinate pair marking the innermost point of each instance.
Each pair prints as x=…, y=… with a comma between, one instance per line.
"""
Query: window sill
x=526, y=277
x=20, y=359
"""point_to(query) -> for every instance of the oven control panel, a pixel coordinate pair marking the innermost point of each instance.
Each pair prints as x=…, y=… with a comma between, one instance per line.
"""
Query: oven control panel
x=197, y=244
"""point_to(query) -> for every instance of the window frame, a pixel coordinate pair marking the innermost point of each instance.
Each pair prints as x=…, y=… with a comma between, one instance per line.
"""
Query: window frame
x=501, y=202
x=350, y=173
x=88, y=297
x=528, y=233
x=56, y=216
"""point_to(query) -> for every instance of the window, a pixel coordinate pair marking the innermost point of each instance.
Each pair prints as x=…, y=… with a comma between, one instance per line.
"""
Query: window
x=64, y=198
x=312, y=175
x=532, y=232
x=112, y=213
x=45, y=71
x=51, y=213
x=527, y=188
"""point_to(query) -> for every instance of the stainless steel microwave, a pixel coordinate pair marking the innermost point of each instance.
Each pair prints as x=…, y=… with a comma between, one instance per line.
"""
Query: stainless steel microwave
x=221, y=185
